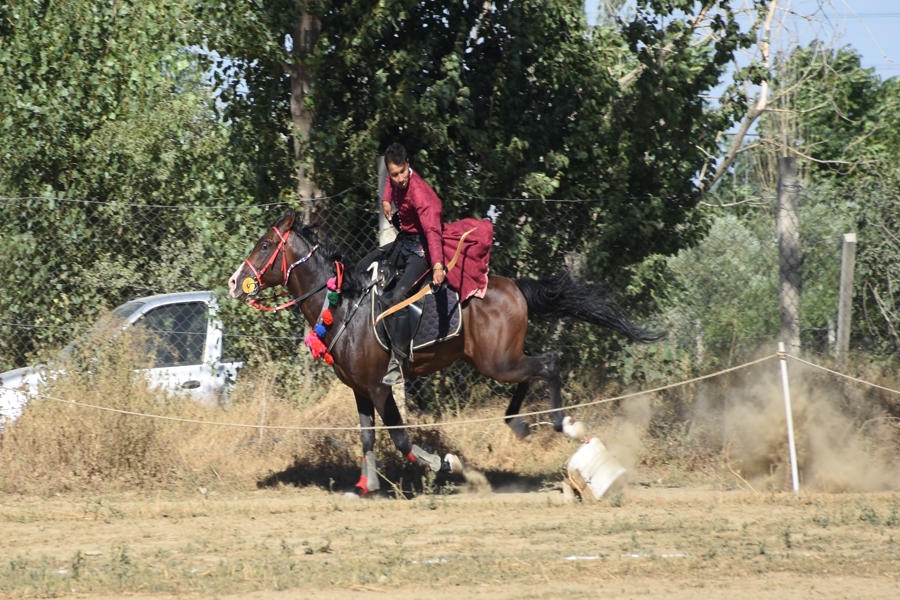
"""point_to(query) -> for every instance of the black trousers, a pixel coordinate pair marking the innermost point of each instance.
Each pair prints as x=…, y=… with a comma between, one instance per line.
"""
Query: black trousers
x=400, y=257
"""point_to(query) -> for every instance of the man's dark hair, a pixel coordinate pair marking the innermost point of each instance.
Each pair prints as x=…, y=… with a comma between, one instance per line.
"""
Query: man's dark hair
x=395, y=155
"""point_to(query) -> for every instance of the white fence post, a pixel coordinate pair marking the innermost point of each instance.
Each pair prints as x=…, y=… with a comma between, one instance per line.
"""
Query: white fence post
x=845, y=306
x=386, y=235
x=795, y=478
x=386, y=231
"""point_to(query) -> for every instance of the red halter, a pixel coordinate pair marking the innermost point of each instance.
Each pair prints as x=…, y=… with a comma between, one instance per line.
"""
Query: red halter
x=285, y=268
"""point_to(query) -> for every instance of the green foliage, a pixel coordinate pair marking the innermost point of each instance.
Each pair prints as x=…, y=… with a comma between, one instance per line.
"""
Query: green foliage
x=522, y=100
x=68, y=68
x=723, y=298
x=837, y=100
x=106, y=116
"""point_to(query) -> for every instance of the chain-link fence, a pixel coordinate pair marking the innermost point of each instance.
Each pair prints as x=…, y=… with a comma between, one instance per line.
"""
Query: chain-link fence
x=68, y=262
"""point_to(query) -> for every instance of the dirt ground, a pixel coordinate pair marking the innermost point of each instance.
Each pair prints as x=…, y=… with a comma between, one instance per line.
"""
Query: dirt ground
x=287, y=542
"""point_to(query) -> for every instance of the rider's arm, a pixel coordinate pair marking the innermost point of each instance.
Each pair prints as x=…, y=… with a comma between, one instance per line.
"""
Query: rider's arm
x=431, y=216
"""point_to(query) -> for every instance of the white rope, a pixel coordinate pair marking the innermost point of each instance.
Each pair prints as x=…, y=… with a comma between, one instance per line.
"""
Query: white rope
x=839, y=374
x=412, y=425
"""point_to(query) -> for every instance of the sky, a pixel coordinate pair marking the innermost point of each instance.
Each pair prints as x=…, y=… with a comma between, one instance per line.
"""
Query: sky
x=873, y=31
x=872, y=27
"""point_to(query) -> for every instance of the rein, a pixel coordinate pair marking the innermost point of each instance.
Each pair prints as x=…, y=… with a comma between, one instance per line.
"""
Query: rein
x=251, y=285
x=293, y=301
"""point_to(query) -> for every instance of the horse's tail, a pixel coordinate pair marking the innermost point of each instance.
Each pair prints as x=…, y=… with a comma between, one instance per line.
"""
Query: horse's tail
x=560, y=297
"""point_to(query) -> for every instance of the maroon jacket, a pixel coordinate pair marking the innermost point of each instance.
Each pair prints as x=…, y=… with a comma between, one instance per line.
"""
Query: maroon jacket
x=421, y=212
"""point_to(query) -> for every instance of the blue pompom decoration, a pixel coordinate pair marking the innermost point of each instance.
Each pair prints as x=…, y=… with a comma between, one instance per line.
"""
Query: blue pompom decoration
x=320, y=330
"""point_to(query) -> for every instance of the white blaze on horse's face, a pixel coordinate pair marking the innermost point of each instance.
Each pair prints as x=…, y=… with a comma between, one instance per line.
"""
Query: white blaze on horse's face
x=233, y=282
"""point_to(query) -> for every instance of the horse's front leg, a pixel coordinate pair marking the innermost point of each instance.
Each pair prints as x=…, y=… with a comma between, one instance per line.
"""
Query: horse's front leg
x=390, y=414
x=368, y=480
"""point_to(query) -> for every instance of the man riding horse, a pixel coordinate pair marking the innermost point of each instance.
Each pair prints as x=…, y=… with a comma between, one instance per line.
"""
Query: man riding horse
x=422, y=245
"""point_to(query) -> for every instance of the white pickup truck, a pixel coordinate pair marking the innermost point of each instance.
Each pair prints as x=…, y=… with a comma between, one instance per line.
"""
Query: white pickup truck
x=188, y=362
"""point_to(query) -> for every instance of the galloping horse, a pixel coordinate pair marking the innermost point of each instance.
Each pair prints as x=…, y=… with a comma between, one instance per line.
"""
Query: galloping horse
x=492, y=340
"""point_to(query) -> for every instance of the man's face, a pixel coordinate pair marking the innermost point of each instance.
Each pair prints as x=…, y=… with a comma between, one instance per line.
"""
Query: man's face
x=399, y=174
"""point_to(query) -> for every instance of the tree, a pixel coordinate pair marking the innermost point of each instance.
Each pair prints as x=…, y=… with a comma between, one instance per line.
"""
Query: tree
x=522, y=99
x=261, y=54
x=105, y=115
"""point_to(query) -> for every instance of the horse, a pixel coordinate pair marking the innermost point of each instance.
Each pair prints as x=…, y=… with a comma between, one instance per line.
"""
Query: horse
x=492, y=339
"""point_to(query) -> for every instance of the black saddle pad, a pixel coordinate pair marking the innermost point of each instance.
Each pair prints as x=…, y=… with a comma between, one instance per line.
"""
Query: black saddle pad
x=441, y=319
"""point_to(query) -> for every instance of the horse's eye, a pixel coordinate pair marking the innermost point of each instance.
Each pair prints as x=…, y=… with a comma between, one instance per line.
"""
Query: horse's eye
x=264, y=247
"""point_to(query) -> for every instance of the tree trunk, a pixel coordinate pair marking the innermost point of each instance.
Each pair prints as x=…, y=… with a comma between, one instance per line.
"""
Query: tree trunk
x=304, y=37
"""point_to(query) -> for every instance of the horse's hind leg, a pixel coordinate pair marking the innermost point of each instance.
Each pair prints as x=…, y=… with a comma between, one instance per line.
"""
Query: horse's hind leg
x=572, y=428
x=528, y=368
x=550, y=362
x=368, y=480
x=516, y=423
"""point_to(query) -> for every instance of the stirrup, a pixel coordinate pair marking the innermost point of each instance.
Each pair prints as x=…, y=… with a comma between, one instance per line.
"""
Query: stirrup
x=394, y=373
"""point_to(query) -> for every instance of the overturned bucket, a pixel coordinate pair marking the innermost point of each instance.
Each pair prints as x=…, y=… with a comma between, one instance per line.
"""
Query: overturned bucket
x=594, y=472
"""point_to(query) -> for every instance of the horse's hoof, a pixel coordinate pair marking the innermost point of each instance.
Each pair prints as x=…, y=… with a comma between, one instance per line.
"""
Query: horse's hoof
x=452, y=464
x=520, y=428
x=574, y=429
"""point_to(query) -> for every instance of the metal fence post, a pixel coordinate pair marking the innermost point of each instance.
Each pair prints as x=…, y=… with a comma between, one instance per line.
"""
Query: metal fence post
x=845, y=307
x=789, y=251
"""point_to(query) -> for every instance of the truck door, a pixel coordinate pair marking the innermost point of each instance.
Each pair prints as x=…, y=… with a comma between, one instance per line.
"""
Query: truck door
x=175, y=336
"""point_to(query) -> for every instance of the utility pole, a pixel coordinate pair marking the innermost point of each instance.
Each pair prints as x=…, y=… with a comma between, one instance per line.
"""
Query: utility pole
x=789, y=252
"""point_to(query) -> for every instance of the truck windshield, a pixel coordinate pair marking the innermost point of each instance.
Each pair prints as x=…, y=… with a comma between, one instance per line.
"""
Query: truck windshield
x=118, y=315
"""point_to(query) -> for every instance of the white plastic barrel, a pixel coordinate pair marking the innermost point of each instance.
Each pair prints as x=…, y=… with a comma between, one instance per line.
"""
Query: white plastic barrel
x=594, y=471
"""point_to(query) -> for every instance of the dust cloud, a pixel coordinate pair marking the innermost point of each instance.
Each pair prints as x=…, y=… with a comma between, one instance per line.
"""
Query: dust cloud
x=843, y=444
x=625, y=434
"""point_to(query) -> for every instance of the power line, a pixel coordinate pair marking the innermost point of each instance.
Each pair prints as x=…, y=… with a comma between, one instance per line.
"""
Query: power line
x=177, y=206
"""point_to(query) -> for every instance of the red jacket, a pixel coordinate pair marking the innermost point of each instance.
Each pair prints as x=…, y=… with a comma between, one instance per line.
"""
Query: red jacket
x=421, y=212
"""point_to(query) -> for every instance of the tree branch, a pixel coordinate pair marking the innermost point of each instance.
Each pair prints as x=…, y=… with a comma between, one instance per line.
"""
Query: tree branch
x=752, y=114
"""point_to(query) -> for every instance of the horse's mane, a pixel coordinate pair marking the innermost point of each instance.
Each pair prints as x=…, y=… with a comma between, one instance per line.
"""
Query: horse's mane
x=330, y=252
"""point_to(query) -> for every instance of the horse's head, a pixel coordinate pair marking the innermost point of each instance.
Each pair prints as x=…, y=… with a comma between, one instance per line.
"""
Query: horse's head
x=270, y=263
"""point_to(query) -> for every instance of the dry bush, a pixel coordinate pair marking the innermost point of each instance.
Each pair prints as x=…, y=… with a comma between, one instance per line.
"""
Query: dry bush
x=55, y=446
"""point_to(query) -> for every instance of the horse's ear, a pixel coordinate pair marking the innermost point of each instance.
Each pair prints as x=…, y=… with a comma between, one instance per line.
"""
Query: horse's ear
x=289, y=220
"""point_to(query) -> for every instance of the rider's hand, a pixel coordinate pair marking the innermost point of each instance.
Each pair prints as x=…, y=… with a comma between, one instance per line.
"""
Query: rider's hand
x=386, y=209
x=439, y=274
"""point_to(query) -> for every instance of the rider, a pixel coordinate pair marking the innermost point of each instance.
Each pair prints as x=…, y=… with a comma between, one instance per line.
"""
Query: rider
x=418, y=246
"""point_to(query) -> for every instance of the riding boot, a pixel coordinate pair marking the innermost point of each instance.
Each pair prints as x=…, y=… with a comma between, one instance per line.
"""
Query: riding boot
x=400, y=346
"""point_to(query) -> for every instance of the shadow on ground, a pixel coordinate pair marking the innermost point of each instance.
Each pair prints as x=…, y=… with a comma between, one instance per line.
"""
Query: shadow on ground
x=412, y=479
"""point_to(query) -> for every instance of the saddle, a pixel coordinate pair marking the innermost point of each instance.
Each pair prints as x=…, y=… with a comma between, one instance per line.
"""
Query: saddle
x=434, y=318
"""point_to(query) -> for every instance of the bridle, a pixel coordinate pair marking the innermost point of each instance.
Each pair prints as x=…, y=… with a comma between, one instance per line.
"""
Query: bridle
x=252, y=285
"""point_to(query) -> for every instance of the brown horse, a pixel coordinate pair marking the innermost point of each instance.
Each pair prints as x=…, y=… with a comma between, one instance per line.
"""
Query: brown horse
x=303, y=258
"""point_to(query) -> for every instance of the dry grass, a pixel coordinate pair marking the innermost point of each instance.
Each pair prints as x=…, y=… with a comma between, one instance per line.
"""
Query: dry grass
x=728, y=432
x=308, y=540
